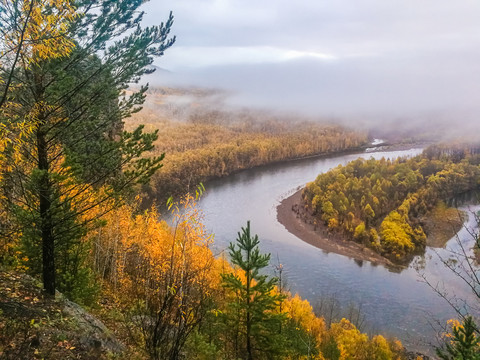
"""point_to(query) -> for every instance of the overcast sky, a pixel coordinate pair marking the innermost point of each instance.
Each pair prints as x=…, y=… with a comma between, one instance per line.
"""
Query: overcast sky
x=337, y=57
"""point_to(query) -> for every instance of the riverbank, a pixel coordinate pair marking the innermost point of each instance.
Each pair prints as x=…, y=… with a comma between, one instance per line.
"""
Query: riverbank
x=442, y=224
x=301, y=225
x=312, y=273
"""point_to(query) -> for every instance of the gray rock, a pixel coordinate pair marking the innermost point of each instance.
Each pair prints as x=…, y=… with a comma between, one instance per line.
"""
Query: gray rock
x=95, y=334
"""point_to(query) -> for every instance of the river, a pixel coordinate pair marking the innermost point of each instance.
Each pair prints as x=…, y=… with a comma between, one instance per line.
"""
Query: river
x=399, y=305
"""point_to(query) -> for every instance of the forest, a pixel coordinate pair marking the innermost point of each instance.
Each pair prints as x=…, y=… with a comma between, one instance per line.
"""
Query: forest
x=202, y=141
x=384, y=204
x=73, y=227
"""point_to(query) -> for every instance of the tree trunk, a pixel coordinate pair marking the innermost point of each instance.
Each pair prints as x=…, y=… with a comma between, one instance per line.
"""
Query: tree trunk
x=249, y=320
x=46, y=226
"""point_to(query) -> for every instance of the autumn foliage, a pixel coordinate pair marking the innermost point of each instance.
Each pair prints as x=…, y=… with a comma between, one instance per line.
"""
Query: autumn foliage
x=383, y=203
x=66, y=165
x=165, y=280
x=162, y=275
x=204, y=141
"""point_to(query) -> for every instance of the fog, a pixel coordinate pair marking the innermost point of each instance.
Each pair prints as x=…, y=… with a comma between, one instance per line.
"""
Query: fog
x=366, y=62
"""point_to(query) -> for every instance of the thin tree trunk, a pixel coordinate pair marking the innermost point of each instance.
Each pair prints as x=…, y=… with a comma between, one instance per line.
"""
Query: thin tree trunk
x=249, y=344
x=46, y=226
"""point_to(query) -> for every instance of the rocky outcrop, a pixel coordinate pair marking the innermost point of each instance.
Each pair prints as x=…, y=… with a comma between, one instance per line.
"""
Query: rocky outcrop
x=92, y=332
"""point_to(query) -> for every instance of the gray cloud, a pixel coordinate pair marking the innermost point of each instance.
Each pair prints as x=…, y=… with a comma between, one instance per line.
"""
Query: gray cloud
x=397, y=58
x=341, y=26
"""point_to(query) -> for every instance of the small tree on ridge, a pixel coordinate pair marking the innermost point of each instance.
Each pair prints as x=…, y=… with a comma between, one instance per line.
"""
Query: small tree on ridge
x=252, y=312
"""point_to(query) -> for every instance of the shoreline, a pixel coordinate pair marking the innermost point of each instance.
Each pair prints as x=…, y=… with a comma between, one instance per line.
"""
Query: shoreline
x=307, y=232
x=154, y=197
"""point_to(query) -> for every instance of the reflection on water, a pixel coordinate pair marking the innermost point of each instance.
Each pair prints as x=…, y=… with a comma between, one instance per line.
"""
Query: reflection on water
x=358, y=262
x=397, y=304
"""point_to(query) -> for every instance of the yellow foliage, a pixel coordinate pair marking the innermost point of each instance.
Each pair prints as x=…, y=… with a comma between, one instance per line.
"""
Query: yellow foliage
x=302, y=313
x=350, y=341
x=380, y=349
x=38, y=31
x=44, y=26
x=355, y=345
x=142, y=257
x=397, y=234
x=12, y=139
x=359, y=233
x=208, y=143
x=332, y=223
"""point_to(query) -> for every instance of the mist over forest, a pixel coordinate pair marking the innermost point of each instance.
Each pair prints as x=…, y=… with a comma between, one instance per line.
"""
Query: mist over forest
x=402, y=103
x=401, y=66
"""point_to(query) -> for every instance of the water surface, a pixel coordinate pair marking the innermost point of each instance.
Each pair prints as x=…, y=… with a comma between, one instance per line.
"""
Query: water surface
x=396, y=304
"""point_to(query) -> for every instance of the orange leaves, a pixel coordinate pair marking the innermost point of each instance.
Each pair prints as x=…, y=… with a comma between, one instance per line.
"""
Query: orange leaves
x=168, y=271
x=146, y=256
x=164, y=272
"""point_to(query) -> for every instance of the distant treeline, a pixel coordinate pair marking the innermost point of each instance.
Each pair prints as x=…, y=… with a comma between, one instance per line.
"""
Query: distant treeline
x=210, y=144
x=381, y=203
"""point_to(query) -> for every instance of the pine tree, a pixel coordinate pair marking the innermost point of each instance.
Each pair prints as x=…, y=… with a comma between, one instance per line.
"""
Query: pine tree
x=252, y=313
x=464, y=345
x=75, y=156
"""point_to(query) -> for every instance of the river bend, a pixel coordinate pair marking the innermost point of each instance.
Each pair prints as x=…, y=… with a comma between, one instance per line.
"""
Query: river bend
x=396, y=304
